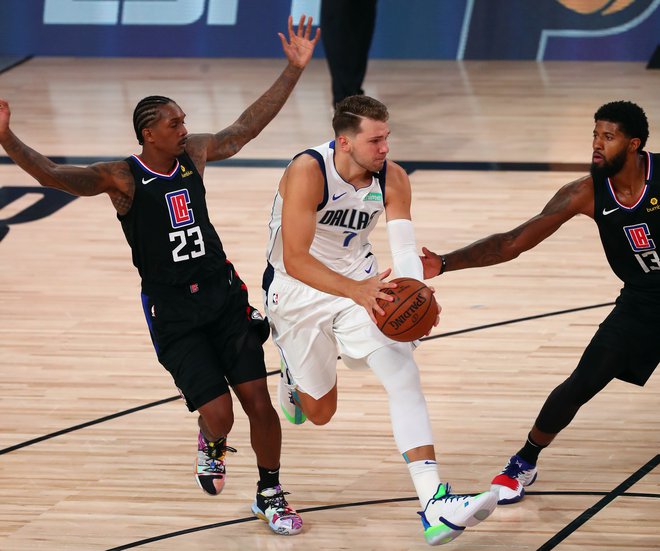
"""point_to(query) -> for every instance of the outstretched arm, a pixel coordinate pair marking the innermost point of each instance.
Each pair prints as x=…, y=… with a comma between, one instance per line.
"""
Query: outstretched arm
x=112, y=178
x=574, y=198
x=214, y=147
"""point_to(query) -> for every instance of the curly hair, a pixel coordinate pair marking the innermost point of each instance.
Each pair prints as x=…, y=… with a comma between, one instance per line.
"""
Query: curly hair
x=629, y=116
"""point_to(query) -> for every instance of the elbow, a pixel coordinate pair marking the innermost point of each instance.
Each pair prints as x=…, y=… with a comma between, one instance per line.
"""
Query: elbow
x=290, y=264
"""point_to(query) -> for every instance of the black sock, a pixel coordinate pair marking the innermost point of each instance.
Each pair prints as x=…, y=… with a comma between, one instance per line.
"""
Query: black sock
x=530, y=451
x=268, y=478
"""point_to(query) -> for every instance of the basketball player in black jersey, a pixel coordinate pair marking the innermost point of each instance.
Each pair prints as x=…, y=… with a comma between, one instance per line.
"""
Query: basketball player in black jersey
x=622, y=195
x=205, y=333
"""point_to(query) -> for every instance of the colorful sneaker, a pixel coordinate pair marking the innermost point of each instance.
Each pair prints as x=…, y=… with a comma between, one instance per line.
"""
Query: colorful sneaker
x=287, y=396
x=446, y=515
x=270, y=505
x=210, y=465
x=510, y=484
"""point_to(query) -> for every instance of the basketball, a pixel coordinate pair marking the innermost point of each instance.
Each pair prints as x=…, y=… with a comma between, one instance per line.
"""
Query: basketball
x=411, y=314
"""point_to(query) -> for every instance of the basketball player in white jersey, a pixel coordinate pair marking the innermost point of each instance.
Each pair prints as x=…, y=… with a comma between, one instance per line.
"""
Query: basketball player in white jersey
x=321, y=286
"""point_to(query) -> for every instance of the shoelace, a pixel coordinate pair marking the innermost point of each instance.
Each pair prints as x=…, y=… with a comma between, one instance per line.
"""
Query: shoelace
x=215, y=456
x=276, y=501
x=449, y=496
x=514, y=470
x=452, y=497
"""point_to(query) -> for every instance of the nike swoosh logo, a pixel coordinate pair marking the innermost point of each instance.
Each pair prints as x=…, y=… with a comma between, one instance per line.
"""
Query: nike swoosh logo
x=606, y=212
x=144, y=181
x=335, y=197
x=368, y=270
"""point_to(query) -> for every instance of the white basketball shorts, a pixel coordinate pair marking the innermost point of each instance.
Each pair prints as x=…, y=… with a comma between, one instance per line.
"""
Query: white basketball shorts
x=311, y=328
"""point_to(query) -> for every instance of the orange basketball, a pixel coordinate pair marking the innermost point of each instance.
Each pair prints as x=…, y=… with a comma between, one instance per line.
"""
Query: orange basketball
x=411, y=314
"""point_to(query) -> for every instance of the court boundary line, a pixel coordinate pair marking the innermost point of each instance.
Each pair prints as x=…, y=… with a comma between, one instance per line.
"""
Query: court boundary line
x=185, y=531
x=587, y=515
x=135, y=409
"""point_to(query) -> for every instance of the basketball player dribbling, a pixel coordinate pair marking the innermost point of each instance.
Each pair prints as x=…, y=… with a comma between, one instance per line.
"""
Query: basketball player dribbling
x=321, y=286
x=205, y=333
x=622, y=196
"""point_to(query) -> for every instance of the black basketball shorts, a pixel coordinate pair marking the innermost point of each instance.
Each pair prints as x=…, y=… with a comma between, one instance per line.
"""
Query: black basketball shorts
x=207, y=336
x=632, y=328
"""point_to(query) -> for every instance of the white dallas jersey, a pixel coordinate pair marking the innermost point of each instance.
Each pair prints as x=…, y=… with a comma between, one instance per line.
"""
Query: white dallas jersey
x=344, y=220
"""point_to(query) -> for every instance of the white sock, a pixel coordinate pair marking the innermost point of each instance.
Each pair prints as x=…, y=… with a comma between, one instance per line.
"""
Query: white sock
x=426, y=479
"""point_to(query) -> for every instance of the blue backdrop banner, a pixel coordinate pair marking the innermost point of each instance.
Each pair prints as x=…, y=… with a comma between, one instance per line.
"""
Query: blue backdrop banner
x=623, y=30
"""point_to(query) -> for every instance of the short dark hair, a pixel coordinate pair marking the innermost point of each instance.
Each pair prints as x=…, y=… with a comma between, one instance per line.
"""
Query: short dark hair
x=146, y=112
x=629, y=116
x=351, y=110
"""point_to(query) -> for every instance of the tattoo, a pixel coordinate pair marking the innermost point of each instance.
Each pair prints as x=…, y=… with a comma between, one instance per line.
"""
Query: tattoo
x=122, y=196
x=112, y=178
x=254, y=119
x=573, y=198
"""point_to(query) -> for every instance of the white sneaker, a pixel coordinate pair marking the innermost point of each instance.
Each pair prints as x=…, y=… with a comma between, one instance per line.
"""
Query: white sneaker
x=510, y=484
x=287, y=396
x=446, y=515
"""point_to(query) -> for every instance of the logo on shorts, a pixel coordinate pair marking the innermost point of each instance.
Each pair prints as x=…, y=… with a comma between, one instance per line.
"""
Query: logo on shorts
x=276, y=298
x=256, y=315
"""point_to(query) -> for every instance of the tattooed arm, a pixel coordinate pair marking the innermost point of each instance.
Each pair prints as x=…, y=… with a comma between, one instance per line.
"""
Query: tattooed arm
x=228, y=142
x=111, y=178
x=574, y=198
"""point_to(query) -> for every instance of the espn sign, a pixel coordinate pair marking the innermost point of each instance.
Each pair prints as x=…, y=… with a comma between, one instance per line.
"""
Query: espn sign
x=139, y=12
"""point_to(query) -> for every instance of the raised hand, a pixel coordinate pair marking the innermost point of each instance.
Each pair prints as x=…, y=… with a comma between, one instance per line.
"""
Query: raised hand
x=299, y=48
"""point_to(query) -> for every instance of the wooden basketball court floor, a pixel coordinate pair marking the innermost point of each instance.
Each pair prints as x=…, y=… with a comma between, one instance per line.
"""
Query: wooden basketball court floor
x=96, y=450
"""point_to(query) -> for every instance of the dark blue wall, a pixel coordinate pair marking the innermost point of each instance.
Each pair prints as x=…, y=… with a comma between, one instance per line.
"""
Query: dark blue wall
x=411, y=29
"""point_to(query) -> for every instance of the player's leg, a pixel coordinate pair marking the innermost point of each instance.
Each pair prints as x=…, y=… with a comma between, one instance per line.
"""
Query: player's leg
x=301, y=320
x=193, y=363
x=215, y=421
x=597, y=367
x=445, y=515
x=246, y=371
x=174, y=318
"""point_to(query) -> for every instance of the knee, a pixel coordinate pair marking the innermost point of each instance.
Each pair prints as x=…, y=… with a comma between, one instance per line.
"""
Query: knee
x=216, y=426
x=322, y=415
x=319, y=419
x=259, y=408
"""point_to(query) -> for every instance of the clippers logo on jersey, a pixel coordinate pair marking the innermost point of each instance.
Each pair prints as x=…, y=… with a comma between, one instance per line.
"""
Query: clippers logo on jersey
x=639, y=237
x=177, y=203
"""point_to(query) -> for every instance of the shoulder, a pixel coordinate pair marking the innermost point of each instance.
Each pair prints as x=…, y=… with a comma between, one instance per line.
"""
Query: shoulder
x=118, y=171
x=395, y=170
x=576, y=197
x=396, y=179
x=305, y=162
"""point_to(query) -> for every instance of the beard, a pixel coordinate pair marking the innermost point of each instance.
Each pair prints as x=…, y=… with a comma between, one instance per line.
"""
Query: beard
x=608, y=168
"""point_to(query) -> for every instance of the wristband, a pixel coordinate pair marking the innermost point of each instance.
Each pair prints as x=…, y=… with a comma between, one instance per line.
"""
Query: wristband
x=443, y=264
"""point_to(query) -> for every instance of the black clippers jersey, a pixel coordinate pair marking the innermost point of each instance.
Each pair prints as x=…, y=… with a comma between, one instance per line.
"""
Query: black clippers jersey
x=168, y=226
x=631, y=235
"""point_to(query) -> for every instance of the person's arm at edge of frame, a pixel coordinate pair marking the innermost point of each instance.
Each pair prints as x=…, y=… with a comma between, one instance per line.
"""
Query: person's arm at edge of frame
x=113, y=178
x=573, y=198
x=229, y=141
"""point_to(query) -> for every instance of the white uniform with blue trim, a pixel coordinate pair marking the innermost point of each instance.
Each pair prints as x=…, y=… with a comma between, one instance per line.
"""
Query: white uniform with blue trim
x=311, y=327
